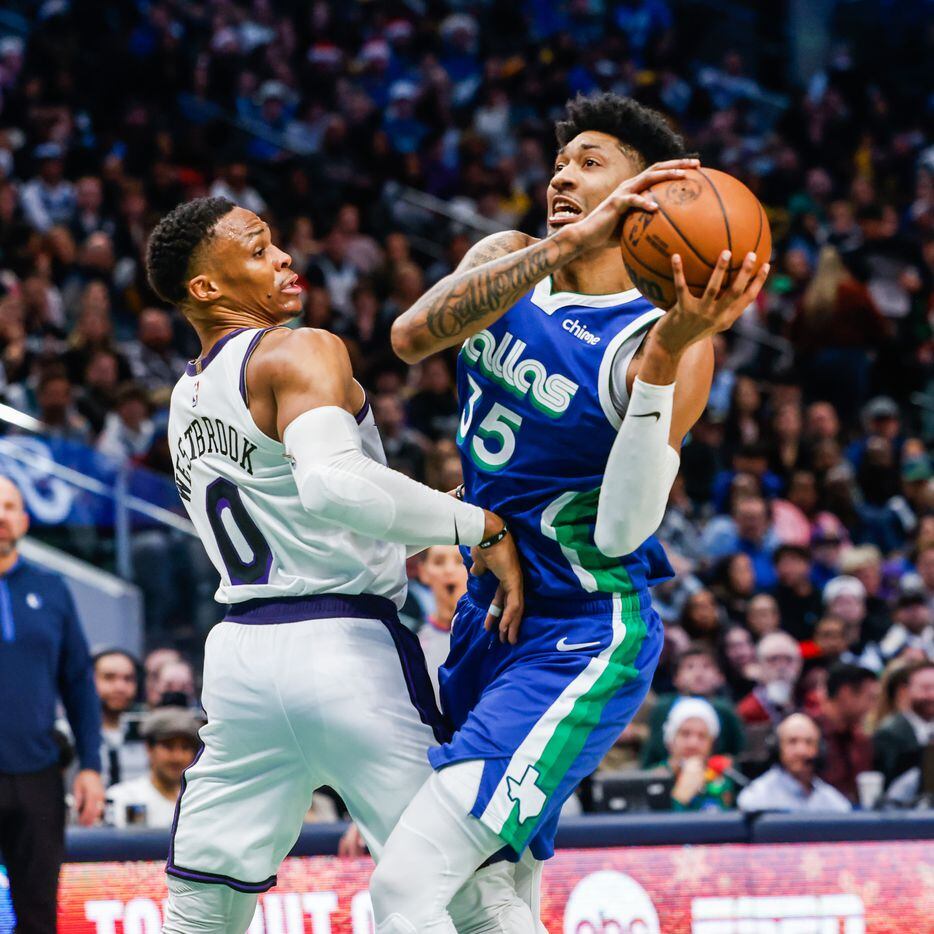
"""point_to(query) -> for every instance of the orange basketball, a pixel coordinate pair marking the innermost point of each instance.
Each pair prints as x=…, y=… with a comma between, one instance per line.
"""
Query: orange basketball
x=698, y=217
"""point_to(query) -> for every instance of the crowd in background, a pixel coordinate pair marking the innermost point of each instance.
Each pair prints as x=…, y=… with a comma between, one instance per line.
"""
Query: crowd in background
x=802, y=524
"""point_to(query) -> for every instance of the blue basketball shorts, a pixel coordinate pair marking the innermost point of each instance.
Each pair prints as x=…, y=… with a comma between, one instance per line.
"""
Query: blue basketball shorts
x=542, y=714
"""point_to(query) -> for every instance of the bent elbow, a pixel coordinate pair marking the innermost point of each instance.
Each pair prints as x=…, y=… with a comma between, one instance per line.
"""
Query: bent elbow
x=403, y=343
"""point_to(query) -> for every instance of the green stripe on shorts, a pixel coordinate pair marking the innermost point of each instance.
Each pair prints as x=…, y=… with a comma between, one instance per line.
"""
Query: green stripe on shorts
x=567, y=737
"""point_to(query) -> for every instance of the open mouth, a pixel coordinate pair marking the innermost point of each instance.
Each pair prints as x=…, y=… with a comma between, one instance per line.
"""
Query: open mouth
x=564, y=211
x=291, y=287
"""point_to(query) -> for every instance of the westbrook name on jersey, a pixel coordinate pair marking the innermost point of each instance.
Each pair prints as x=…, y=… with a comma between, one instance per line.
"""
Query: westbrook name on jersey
x=238, y=488
x=539, y=415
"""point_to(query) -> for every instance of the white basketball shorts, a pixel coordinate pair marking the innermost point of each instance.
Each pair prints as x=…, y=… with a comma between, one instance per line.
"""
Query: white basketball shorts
x=300, y=693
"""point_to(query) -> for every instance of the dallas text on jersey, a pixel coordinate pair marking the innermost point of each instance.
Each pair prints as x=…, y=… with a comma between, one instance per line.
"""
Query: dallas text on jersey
x=209, y=436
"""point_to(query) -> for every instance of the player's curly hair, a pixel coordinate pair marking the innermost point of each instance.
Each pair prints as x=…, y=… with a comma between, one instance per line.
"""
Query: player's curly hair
x=640, y=129
x=174, y=242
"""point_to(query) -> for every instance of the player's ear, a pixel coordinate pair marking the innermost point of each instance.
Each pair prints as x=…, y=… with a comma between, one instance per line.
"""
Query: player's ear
x=203, y=289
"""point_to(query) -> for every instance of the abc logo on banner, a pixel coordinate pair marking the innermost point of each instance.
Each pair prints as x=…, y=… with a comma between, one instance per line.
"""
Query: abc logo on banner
x=610, y=903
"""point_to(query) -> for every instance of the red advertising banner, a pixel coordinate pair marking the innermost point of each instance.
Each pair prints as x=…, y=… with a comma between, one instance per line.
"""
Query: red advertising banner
x=849, y=888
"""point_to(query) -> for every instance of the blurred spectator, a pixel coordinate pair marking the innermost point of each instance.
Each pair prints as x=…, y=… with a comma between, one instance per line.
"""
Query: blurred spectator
x=830, y=639
x=152, y=666
x=48, y=198
x=748, y=531
x=154, y=361
x=733, y=583
x=799, y=602
x=174, y=684
x=845, y=598
x=851, y=693
x=792, y=783
x=899, y=739
x=442, y=571
x=234, y=185
x=45, y=657
x=836, y=327
x=912, y=625
x=696, y=675
x=702, y=619
x=893, y=694
x=122, y=753
x=98, y=392
x=738, y=661
x=433, y=409
x=171, y=736
x=129, y=431
x=690, y=730
x=762, y=615
x=57, y=411
x=403, y=449
x=779, y=669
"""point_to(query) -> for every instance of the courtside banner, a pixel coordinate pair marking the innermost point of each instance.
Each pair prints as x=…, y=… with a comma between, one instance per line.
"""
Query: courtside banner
x=844, y=888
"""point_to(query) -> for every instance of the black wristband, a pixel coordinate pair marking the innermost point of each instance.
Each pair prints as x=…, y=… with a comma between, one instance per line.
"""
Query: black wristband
x=495, y=538
x=459, y=492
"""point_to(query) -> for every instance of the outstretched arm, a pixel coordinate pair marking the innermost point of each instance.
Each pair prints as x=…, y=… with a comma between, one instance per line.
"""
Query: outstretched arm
x=503, y=267
x=669, y=394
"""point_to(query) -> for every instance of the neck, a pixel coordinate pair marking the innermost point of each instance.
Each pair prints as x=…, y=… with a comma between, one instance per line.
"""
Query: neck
x=806, y=781
x=110, y=719
x=598, y=272
x=8, y=560
x=168, y=790
x=224, y=320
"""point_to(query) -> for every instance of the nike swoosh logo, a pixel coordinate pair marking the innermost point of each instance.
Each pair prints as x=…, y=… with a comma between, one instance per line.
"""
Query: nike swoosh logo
x=565, y=646
x=657, y=415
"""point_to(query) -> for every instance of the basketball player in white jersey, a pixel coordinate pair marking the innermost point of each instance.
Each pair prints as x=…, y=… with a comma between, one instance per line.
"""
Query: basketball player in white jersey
x=310, y=679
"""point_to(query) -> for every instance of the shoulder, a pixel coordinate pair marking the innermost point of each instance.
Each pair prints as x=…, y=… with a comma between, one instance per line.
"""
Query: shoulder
x=284, y=354
x=31, y=574
x=495, y=246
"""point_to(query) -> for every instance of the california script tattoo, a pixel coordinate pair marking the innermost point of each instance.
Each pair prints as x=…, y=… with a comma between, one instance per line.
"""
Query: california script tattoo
x=452, y=306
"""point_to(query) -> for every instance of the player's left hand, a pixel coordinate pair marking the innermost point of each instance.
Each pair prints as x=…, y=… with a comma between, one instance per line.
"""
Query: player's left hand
x=89, y=797
x=505, y=612
x=693, y=319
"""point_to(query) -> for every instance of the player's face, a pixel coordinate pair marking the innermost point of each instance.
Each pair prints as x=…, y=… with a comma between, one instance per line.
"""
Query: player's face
x=245, y=271
x=586, y=171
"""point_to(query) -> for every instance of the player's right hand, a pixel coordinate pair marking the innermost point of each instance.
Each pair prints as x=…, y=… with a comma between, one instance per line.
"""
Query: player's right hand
x=601, y=225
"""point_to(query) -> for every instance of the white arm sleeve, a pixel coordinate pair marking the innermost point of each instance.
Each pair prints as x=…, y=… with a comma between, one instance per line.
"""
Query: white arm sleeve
x=338, y=482
x=640, y=471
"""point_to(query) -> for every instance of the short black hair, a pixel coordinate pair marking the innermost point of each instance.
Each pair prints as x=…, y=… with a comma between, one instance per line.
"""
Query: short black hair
x=174, y=241
x=115, y=650
x=696, y=650
x=853, y=676
x=638, y=128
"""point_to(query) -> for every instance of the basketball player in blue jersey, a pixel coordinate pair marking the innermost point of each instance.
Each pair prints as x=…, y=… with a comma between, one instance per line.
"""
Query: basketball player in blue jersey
x=576, y=394
x=310, y=679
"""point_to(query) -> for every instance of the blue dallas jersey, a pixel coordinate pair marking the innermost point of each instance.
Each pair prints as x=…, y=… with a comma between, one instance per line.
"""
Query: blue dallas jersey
x=537, y=424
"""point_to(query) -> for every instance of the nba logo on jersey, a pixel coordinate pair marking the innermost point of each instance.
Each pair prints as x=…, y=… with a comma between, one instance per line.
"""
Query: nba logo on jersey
x=194, y=397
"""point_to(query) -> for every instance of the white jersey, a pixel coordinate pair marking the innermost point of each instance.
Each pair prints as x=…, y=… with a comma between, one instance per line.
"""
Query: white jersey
x=238, y=488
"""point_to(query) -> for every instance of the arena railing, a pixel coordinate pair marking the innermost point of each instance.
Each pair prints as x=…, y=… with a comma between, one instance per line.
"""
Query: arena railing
x=653, y=829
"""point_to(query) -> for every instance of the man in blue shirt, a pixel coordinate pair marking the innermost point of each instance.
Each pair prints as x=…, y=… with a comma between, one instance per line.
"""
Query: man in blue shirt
x=792, y=783
x=43, y=657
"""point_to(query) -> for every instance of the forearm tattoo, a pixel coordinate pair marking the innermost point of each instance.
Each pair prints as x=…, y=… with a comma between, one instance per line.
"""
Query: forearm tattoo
x=453, y=305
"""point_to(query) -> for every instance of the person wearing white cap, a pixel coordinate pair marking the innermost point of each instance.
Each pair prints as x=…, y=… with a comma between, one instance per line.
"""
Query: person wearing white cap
x=690, y=730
